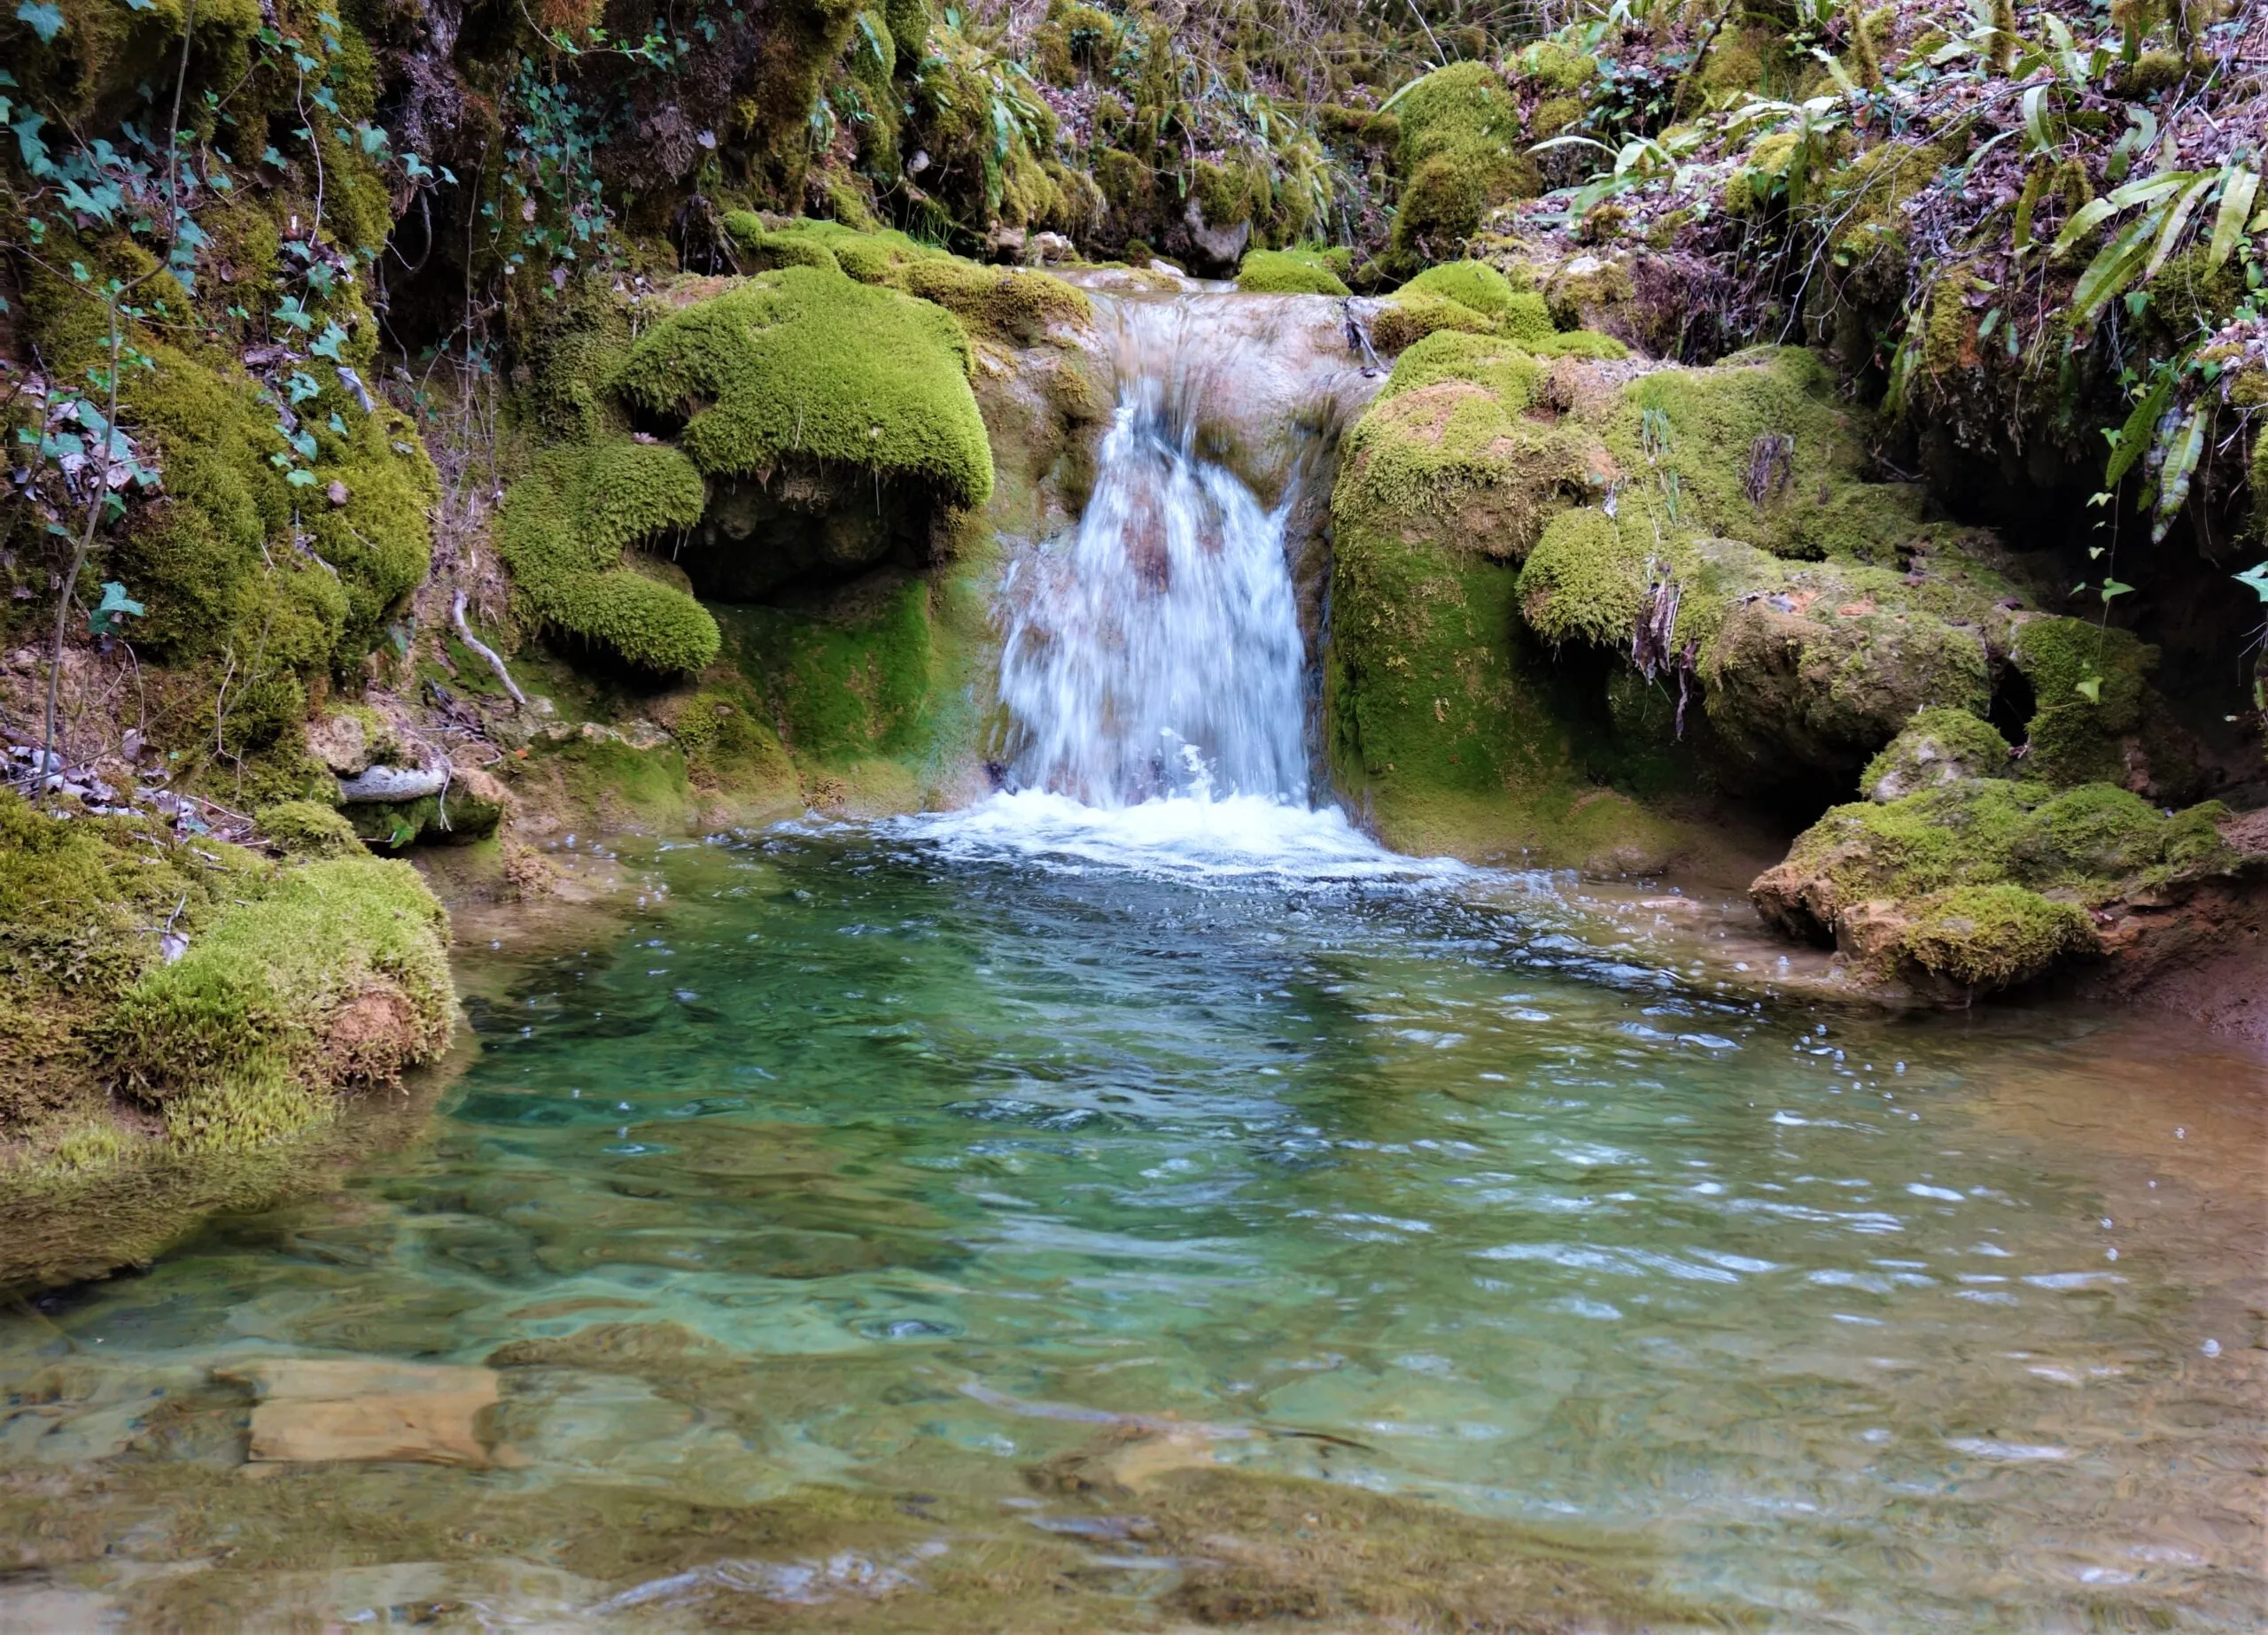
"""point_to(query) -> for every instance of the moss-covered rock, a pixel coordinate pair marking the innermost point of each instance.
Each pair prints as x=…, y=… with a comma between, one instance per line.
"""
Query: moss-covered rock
x=1989, y=937
x=305, y=829
x=335, y=974
x=2095, y=715
x=1291, y=272
x=235, y=994
x=1585, y=580
x=1939, y=746
x=1462, y=150
x=563, y=531
x=1981, y=881
x=804, y=363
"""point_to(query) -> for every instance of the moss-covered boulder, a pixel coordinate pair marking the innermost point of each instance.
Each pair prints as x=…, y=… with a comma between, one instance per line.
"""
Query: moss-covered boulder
x=232, y=994
x=1294, y=272
x=1016, y=305
x=334, y=974
x=1712, y=526
x=1440, y=711
x=1939, y=746
x=804, y=364
x=1463, y=150
x=2095, y=715
x=1979, y=883
x=306, y=829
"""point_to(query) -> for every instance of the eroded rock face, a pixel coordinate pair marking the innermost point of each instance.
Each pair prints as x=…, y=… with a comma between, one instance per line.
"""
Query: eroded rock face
x=808, y=524
x=1823, y=683
x=1211, y=249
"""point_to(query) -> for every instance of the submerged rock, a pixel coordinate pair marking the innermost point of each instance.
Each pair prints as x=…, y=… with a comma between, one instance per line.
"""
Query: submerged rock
x=313, y=1410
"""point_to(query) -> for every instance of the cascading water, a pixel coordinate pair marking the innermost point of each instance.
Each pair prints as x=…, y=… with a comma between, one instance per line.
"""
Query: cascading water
x=1155, y=658
x=1156, y=650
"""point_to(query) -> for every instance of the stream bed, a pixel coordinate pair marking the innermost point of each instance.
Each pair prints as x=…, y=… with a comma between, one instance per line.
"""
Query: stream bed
x=1053, y=1220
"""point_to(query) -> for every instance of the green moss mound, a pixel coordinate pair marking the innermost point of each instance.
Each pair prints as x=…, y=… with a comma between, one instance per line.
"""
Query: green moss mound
x=1760, y=449
x=285, y=982
x=1289, y=272
x=2089, y=688
x=1584, y=581
x=1012, y=304
x=1994, y=937
x=1981, y=880
x=562, y=529
x=1506, y=371
x=1473, y=297
x=1456, y=460
x=1475, y=285
x=236, y=563
x=335, y=973
x=1463, y=150
x=305, y=829
x=804, y=363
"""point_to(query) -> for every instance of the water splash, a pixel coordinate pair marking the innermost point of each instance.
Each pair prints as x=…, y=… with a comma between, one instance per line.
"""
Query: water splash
x=1155, y=651
x=1196, y=840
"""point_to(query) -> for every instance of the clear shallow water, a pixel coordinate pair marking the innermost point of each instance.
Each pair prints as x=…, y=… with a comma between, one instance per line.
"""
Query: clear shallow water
x=970, y=1138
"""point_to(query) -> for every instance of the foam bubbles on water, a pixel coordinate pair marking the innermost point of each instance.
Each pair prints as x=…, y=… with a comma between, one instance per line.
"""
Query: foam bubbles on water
x=1192, y=838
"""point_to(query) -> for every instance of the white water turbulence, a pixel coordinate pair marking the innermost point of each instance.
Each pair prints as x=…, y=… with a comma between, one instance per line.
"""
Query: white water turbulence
x=1155, y=650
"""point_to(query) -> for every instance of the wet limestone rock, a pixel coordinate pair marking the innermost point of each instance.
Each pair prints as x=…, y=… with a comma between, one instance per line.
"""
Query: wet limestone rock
x=1211, y=249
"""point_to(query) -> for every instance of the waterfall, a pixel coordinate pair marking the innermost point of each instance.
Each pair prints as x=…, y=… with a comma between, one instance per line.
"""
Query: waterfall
x=1155, y=660
x=1155, y=651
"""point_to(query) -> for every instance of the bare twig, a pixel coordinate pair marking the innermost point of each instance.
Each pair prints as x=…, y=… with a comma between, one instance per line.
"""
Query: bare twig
x=465, y=635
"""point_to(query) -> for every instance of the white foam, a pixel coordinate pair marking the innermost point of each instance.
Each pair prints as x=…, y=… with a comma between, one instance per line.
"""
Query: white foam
x=1194, y=839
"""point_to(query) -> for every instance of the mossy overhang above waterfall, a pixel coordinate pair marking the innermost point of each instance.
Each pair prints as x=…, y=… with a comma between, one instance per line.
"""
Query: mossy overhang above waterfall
x=1016, y=305
x=803, y=362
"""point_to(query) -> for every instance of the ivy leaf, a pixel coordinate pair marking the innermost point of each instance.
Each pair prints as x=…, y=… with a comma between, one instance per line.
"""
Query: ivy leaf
x=328, y=345
x=300, y=477
x=46, y=21
x=2257, y=578
x=2113, y=588
x=115, y=602
x=2090, y=689
x=32, y=146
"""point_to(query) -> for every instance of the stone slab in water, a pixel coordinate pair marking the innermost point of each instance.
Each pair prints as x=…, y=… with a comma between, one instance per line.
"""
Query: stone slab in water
x=313, y=1409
